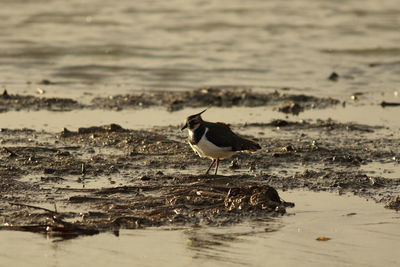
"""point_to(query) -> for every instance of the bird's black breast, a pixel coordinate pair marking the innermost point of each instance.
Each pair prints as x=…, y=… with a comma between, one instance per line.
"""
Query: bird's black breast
x=197, y=135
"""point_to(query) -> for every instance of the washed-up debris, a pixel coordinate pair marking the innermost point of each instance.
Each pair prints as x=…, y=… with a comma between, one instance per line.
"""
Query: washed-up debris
x=328, y=125
x=323, y=238
x=291, y=107
x=189, y=204
x=55, y=226
x=211, y=96
x=333, y=77
x=393, y=203
x=171, y=100
x=390, y=104
x=28, y=102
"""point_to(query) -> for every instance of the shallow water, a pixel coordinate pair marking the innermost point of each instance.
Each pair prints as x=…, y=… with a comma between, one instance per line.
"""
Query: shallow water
x=362, y=234
x=389, y=169
x=147, y=118
x=103, y=47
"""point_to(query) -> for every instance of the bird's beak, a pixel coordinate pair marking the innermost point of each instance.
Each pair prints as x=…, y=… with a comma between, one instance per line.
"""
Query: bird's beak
x=184, y=127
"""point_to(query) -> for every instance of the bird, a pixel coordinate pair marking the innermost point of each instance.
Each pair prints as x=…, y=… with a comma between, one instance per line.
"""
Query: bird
x=215, y=140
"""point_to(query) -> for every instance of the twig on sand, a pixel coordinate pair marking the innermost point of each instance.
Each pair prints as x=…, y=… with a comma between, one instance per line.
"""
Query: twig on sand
x=391, y=104
x=32, y=207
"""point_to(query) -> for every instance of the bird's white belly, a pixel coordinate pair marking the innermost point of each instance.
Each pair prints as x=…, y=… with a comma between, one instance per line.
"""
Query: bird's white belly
x=205, y=148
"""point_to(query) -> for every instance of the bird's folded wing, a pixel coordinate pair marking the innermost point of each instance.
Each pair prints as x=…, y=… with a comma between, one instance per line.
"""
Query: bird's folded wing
x=221, y=135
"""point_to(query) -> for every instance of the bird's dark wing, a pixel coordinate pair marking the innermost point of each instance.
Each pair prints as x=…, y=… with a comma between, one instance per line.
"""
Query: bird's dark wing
x=221, y=135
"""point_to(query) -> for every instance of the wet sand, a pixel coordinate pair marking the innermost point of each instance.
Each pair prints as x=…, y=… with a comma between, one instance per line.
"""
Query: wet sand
x=107, y=176
x=139, y=173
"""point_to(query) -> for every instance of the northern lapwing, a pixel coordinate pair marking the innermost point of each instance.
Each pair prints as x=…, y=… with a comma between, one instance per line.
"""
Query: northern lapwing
x=215, y=140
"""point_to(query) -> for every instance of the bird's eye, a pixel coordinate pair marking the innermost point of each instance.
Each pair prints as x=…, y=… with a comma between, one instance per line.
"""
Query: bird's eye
x=192, y=123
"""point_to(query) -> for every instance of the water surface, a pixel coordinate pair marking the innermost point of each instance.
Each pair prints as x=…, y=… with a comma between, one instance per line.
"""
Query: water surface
x=102, y=47
x=362, y=234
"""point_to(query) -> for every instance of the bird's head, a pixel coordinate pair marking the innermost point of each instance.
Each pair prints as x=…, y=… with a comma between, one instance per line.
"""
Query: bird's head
x=193, y=121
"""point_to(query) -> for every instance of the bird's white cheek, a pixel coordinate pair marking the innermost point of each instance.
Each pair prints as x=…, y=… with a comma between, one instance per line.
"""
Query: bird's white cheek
x=191, y=134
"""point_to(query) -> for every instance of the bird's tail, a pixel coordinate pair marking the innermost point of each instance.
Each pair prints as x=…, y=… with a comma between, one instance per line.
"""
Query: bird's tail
x=247, y=145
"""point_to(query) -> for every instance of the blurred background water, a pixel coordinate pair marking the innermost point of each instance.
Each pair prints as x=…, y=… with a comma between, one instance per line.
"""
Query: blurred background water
x=110, y=47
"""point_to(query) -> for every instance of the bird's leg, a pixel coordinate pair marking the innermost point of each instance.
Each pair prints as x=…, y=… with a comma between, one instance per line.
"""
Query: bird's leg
x=216, y=168
x=212, y=163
